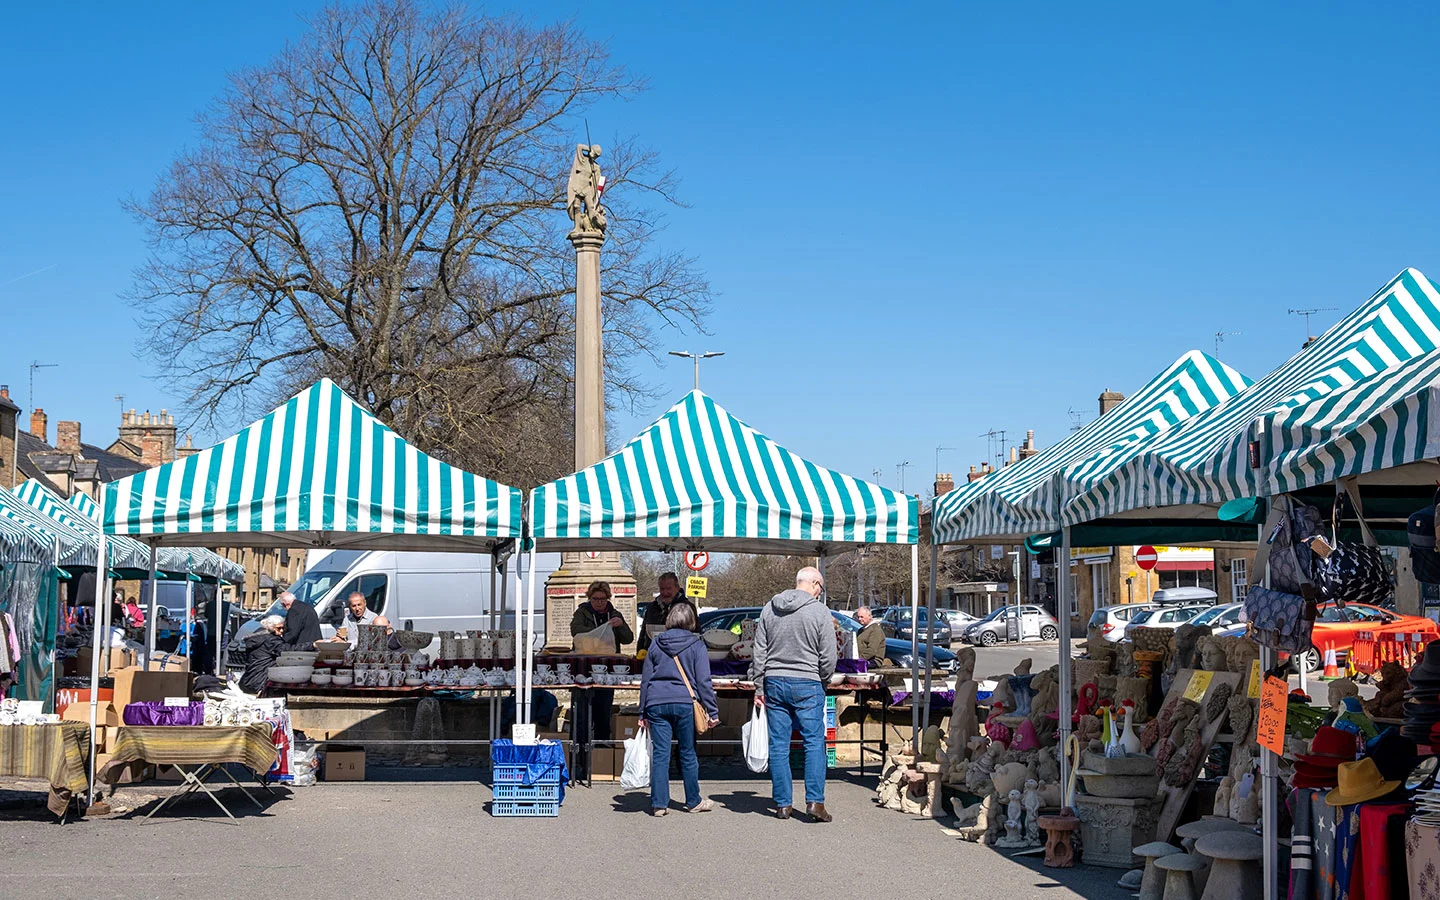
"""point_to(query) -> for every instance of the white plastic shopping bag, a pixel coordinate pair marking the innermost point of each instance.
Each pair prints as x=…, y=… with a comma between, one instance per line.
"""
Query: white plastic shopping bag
x=636, y=773
x=755, y=735
x=599, y=642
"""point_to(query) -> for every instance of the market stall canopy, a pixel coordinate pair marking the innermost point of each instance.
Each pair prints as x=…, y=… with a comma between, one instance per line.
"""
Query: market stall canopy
x=77, y=549
x=1205, y=461
x=174, y=561
x=20, y=543
x=127, y=556
x=699, y=478
x=319, y=471
x=1026, y=497
x=1380, y=425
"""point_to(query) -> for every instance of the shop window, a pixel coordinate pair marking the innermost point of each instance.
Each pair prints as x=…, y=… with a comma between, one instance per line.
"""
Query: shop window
x=1239, y=579
x=1100, y=584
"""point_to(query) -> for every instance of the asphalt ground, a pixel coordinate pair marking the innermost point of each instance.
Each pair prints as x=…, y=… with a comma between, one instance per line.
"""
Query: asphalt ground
x=426, y=834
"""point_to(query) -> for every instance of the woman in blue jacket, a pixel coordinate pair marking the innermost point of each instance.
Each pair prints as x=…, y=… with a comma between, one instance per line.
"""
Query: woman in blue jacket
x=667, y=708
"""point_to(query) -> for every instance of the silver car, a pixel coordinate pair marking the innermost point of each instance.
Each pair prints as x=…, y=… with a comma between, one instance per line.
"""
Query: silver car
x=1004, y=624
x=1111, y=620
x=1162, y=617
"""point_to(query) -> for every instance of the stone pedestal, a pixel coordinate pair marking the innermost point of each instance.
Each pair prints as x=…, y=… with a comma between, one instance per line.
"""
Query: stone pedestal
x=1111, y=827
x=1059, y=840
x=565, y=591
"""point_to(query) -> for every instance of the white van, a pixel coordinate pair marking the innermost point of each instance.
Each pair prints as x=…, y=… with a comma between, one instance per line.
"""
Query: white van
x=416, y=591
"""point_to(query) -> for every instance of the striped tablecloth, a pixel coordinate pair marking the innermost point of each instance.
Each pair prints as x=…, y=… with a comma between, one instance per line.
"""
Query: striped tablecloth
x=56, y=753
x=190, y=745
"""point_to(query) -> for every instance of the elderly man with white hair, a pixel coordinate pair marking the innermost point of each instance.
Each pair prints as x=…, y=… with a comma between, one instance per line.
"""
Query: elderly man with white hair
x=261, y=650
x=794, y=658
x=302, y=624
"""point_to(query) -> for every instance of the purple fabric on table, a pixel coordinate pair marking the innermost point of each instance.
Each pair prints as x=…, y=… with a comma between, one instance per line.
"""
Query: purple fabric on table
x=151, y=712
x=944, y=698
x=734, y=668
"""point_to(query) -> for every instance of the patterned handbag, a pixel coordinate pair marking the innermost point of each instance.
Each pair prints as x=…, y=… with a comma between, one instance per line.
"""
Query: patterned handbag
x=1292, y=562
x=1279, y=620
x=1352, y=573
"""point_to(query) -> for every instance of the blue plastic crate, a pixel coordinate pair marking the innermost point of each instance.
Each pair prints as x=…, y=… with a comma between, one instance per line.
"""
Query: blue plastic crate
x=511, y=809
x=527, y=792
x=503, y=774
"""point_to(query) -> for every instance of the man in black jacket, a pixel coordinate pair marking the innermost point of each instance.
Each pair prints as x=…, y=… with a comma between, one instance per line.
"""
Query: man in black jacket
x=261, y=650
x=669, y=593
x=302, y=625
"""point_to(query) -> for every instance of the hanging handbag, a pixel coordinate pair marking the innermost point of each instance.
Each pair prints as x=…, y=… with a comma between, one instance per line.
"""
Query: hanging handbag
x=1424, y=561
x=1351, y=572
x=1282, y=618
x=1279, y=620
x=702, y=715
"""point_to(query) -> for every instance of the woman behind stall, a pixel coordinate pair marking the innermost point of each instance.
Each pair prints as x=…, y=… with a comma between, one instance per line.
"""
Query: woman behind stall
x=667, y=709
x=261, y=650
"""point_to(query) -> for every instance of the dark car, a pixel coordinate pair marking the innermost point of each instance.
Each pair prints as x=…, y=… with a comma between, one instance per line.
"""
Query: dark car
x=896, y=623
x=896, y=651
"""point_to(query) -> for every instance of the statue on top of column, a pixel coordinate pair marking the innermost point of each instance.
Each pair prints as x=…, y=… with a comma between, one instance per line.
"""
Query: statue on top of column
x=582, y=196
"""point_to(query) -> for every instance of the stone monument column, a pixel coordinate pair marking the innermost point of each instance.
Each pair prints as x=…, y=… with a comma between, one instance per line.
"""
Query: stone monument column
x=565, y=589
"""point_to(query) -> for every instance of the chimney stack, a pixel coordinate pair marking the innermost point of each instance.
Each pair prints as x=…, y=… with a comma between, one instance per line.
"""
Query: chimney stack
x=1109, y=400
x=39, y=424
x=189, y=449
x=1014, y=455
x=4, y=392
x=152, y=450
x=1028, y=449
x=67, y=437
x=944, y=483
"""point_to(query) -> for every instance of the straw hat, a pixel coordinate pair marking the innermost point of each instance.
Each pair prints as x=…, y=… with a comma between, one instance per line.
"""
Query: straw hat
x=1360, y=781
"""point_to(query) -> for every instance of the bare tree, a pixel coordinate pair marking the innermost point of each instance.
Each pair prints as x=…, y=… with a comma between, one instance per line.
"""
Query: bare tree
x=383, y=203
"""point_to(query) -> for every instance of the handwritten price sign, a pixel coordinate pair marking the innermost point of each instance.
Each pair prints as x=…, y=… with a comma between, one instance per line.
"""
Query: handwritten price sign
x=1270, y=731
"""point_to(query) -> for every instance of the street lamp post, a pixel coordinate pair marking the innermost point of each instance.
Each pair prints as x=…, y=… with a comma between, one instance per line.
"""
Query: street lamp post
x=697, y=356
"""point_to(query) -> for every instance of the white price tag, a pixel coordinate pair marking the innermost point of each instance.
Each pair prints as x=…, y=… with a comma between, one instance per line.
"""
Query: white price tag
x=177, y=701
x=522, y=734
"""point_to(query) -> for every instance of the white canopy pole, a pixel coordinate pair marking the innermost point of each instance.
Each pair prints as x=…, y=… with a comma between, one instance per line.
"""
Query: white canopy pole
x=914, y=647
x=150, y=614
x=930, y=630
x=96, y=649
x=1269, y=776
x=1062, y=620
x=189, y=618
x=530, y=645
x=494, y=629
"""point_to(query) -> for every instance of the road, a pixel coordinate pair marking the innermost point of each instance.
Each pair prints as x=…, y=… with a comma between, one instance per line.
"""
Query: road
x=433, y=839
x=1003, y=658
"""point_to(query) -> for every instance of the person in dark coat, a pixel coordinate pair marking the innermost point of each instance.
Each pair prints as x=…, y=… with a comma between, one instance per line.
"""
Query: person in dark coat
x=667, y=706
x=302, y=625
x=656, y=613
x=261, y=650
x=590, y=616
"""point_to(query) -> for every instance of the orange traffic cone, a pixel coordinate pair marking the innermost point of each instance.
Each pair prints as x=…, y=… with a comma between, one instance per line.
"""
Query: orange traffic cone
x=1332, y=665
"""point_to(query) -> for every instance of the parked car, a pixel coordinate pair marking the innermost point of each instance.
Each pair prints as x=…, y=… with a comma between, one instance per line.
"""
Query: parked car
x=1171, y=617
x=897, y=651
x=1336, y=627
x=897, y=624
x=1218, y=617
x=1111, y=620
x=1034, y=624
x=958, y=620
x=1184, y=596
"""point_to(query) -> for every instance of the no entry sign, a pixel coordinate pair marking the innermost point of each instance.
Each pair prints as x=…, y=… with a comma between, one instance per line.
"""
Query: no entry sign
x=697, y=560
x=1146, y=557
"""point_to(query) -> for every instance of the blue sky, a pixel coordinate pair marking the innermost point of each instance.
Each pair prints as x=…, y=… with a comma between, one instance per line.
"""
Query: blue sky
x=922, y=222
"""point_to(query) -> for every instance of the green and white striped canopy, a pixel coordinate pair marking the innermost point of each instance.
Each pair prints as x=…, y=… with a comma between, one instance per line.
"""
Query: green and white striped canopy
x=1026, y=497
x=1383, y=422
x=173, y=560
x=1205, y=460
x=319, y=471
x=699, y=478
x=123, y=553
x=21, y=543
x=77, y=549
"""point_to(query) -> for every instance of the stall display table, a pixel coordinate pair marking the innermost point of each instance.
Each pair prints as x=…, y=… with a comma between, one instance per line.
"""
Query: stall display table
x=56, y=753
x=197, y=752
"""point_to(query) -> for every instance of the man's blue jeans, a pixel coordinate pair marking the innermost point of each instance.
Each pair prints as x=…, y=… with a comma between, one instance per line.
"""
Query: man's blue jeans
x=667, y=720
x=796, y=704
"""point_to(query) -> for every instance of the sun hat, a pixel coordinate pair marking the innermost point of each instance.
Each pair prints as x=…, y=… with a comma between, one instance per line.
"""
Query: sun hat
x=1426, y=672
x=1394, y=754
x=1308, y=776
x=1359, y=781
x=1329, y=748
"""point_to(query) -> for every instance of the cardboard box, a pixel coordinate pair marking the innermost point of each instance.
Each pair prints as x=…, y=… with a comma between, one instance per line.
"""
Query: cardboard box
x=344, y=763
x=111, y=660
x=134, y=773
x=169, y=662
x=606, y=763
x=136, y=685
x=79, y=711
x=626, y=725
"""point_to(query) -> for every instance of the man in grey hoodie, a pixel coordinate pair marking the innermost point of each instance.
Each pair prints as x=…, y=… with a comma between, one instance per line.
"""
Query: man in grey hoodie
x=794, y=658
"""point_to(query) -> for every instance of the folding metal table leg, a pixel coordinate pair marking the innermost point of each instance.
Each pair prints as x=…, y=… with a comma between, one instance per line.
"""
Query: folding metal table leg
x=244, y=790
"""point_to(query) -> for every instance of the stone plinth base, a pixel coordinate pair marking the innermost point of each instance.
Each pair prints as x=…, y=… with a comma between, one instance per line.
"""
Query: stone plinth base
x=565, y=591
x=1111, y=827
